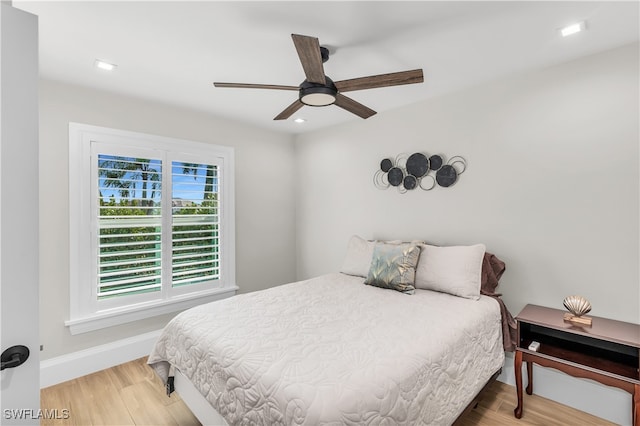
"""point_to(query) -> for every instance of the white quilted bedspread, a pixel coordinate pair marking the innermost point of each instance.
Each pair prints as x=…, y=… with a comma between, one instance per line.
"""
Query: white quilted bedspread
x=332, y=350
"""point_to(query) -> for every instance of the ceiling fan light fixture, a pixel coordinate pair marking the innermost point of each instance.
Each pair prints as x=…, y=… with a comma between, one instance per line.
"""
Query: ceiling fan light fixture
x=317, y=99
x=318, y=96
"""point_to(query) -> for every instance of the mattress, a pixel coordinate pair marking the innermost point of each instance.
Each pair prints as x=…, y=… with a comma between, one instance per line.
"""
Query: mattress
x=332, y=350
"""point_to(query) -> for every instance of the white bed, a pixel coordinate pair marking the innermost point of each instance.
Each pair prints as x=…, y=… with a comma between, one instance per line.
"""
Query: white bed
x=332, y=350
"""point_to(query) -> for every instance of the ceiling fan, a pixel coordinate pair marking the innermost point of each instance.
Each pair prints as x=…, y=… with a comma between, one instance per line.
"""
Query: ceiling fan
x=320, y=90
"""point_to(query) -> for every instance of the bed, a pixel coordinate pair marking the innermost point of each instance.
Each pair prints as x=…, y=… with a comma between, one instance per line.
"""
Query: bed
x=332, y=350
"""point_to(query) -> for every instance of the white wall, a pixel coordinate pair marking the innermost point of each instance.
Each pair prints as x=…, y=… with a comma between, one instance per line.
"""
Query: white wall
x=264, y=199
x=551, y=187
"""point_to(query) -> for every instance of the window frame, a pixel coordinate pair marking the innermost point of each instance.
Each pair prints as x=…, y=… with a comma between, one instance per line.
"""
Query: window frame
x=86, y=312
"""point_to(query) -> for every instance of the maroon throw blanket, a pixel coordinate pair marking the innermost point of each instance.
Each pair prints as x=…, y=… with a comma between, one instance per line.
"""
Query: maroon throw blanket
x=492, y=270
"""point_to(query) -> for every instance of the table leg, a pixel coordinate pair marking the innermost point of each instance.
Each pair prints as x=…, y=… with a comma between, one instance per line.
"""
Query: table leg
x=517, y=363
x=635, y=406
x=529, y=377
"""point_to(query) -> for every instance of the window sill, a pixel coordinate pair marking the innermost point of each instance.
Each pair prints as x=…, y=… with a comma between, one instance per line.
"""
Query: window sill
x=137, y=312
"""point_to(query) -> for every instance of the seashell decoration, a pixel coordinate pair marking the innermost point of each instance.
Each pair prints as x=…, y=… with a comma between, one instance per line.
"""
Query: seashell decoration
x=577, y=305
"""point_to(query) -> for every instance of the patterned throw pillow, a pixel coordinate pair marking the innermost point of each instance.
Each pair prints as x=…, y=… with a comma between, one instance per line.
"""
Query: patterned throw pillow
x=394, y=267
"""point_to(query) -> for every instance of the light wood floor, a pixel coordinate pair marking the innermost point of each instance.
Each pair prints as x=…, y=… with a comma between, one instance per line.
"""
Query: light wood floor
x=131, y=394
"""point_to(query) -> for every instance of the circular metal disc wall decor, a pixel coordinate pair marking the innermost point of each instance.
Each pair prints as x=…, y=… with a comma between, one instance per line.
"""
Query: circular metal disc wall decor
x=417, y=165
x=396, y=176
x=381, y=180
x=408, y=172
x=386, y=164
x=427, y=183
x=435, y=161
x=459, y=162
x=446, y=176
x=410, y=182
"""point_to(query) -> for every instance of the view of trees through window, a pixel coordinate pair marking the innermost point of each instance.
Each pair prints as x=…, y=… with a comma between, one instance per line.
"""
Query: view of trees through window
x=140, y=232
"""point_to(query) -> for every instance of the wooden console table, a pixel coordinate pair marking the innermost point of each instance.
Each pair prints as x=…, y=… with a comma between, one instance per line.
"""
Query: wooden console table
x=607, y=352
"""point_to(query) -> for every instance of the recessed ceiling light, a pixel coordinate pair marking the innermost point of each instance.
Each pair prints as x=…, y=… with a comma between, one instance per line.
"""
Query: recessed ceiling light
x=300, y=120
x=104, y=65
x=572, y=29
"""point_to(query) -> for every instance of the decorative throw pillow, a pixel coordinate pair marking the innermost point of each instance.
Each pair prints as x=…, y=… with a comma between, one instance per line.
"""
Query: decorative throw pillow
x=358, y=257
x=394, y=267
x=456, y=270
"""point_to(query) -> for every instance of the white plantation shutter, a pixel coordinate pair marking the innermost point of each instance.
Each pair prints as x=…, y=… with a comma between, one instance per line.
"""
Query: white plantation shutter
x=129, y=225
x=131, y=219
x=195, y=224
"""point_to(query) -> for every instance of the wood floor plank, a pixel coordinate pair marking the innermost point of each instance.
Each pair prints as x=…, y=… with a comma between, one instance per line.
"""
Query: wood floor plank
x=139, y=397
x=61, y=402
x=105, y=405
x=130, y=373
x=132, y=394
x=482, y=417
x=181, y=414
x=541, y=411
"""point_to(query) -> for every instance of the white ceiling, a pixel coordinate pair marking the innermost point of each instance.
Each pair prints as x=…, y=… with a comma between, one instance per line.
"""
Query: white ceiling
x=173, y=51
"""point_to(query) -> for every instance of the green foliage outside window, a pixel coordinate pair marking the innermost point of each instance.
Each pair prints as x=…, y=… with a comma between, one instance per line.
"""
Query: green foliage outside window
x=131, y=232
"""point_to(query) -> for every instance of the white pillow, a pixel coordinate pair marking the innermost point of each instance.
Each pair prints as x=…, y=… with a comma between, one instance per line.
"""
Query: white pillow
x=358, y=258
x=456, y=270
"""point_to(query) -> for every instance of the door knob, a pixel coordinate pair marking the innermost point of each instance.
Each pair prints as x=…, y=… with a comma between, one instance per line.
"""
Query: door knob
x=14, y=356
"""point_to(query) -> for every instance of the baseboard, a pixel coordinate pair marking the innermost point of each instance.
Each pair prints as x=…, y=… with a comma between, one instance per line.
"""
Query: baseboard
x=76, y=364
x=606, y=402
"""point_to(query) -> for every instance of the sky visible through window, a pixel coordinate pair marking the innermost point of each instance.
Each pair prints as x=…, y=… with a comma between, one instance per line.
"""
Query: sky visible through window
x=122, y=178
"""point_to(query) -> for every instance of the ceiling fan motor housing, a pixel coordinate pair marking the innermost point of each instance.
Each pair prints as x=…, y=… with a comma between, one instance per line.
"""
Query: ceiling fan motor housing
x=324, y=54
x=317, y=94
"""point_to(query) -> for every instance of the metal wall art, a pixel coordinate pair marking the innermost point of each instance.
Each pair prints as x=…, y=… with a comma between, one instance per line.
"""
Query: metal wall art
x=408, y=172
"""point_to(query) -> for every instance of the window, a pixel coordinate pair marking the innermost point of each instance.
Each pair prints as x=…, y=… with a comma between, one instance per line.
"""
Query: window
x=151, y=225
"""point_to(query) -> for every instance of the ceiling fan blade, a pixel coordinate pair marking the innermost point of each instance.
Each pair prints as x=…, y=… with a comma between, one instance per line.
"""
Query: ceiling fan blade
x=288, y=111
x=353, y=106
x=255, y=86
x=309, y=53
x=381, y=80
